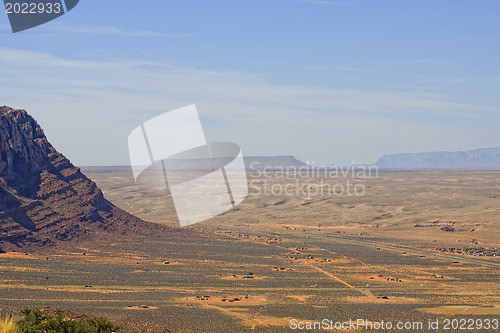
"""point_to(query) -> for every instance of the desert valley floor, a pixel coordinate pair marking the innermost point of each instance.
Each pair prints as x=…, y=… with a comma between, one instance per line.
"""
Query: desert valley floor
x=417, y=246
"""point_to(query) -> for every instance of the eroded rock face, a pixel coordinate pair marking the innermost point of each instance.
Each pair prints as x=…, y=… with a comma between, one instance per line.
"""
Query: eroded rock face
x=43, y=197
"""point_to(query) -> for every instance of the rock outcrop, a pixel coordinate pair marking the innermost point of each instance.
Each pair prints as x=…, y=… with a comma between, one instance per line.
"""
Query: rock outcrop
x=44, y=198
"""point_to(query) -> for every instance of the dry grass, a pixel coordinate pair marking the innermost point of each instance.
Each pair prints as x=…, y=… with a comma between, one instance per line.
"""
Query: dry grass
x=8, y=325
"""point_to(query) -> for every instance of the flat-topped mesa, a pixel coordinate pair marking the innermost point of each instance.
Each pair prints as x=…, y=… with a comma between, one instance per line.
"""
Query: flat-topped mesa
x=44, y=197
x=483, y=158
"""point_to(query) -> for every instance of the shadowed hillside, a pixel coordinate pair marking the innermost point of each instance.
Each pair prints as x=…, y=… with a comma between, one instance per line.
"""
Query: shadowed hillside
x=44, y=198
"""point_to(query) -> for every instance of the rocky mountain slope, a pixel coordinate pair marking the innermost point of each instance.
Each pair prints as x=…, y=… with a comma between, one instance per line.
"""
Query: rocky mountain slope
x=44, y=198
x=479, y=158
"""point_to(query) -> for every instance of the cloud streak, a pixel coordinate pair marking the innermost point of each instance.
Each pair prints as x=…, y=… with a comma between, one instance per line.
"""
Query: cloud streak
x=115, y=31
x=88, y=109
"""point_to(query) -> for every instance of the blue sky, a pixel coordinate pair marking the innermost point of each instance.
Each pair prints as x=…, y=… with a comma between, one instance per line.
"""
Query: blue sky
x=326, y=81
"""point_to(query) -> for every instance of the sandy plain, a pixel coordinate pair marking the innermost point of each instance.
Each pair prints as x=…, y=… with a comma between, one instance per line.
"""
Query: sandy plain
x=340, y=257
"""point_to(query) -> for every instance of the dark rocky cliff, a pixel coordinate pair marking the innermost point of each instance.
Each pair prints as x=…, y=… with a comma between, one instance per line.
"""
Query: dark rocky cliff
x=44, y=198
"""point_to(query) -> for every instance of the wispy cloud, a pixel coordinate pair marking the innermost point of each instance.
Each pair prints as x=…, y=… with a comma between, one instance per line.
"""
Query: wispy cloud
x=96, y=104
x=413, y=75
x=115, y=31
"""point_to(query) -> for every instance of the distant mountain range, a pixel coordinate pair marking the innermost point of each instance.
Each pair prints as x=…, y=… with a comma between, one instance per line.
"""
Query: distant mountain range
x=483, y=158
x=252, y=163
